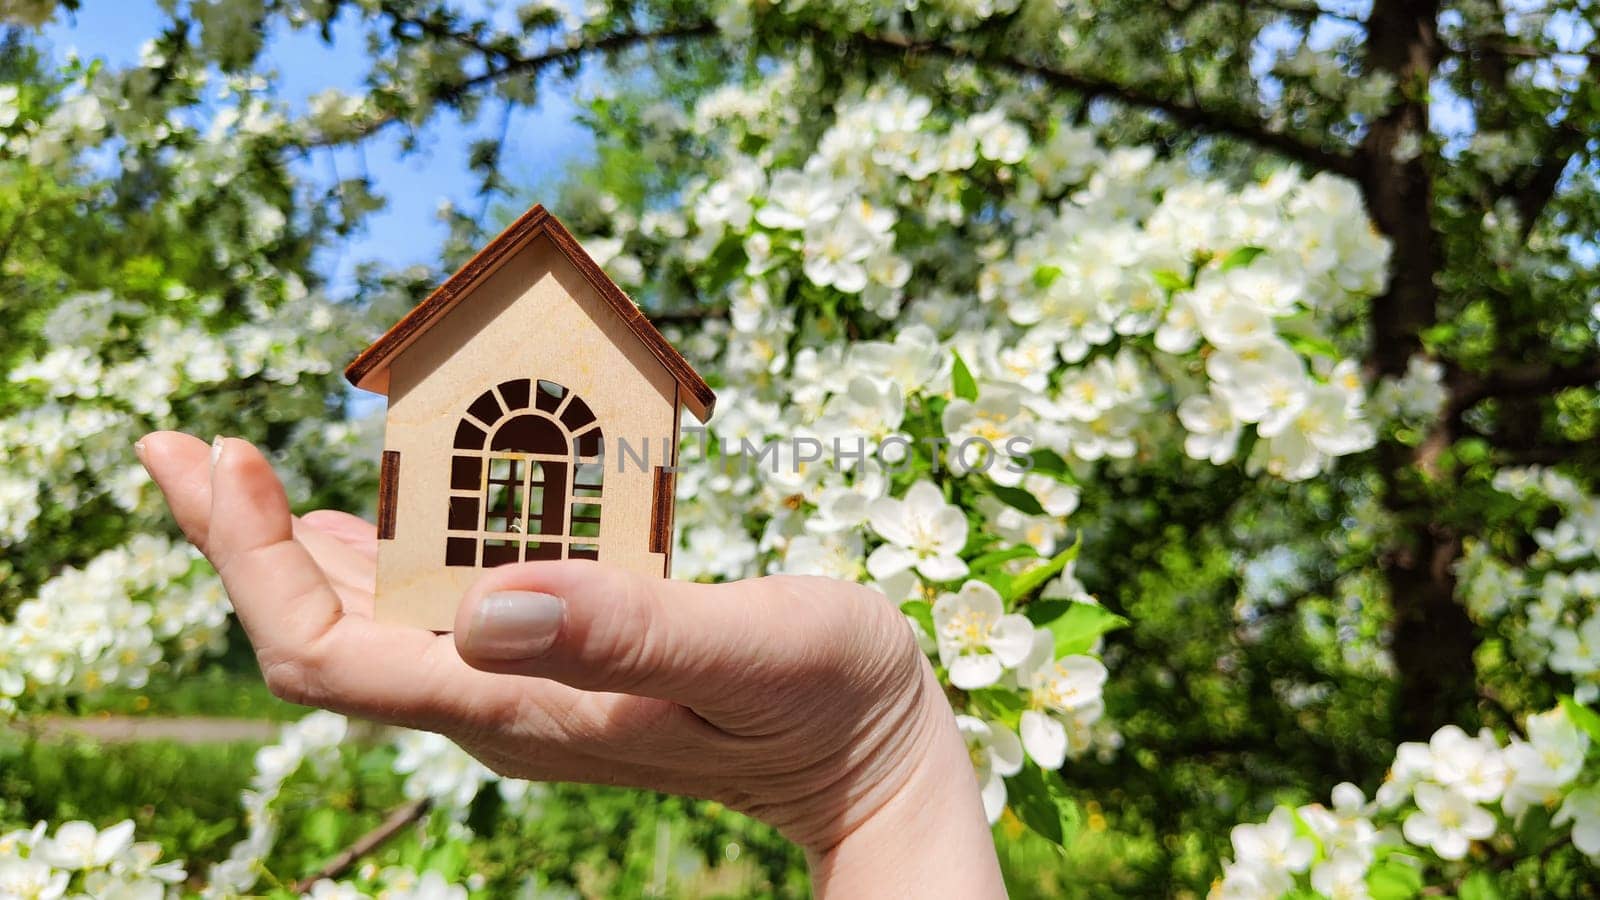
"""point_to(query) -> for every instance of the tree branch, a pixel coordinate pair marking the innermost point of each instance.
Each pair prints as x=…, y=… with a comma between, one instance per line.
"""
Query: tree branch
x=1523, y=51
x=1307, y=11
x=1233, y=123
x=1228, y=122
x=439, y=30
x=532, y=66
x=573, y=53
x=1539, y=183
x=392, y=825
x=1532, y=186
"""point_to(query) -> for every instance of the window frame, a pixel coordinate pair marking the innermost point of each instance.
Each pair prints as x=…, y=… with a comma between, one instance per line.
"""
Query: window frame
x=466, y=501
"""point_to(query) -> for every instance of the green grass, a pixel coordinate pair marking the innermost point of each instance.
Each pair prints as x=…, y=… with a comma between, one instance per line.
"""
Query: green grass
x=228, y=685
x=597, y=842
x=213, y=691
x=592, y=841
x=185, y=797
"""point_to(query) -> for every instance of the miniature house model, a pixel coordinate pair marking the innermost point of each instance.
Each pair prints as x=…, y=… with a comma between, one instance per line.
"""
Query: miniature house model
x=533, y=414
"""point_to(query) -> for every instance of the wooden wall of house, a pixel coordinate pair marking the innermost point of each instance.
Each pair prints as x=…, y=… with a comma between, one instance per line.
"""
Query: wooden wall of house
x=536, y=317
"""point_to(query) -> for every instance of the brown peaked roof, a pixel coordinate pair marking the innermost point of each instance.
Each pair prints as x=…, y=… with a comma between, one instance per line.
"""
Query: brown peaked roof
x=370, y=370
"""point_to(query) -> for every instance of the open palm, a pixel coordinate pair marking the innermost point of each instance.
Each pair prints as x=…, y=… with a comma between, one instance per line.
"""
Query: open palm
x=802, y=701
x=303, y=589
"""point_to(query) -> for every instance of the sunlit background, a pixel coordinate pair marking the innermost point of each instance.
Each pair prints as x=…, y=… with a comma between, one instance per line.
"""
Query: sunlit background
x=1295, y=304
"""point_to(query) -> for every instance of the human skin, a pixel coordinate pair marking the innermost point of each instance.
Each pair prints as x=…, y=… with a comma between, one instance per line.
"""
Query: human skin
x=803, y=702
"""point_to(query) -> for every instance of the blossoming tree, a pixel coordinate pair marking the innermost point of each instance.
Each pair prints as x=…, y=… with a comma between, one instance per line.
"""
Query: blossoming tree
x=1267, y=330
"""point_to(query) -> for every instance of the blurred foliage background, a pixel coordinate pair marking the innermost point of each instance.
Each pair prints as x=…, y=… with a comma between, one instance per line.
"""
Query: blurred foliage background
x=172, y=254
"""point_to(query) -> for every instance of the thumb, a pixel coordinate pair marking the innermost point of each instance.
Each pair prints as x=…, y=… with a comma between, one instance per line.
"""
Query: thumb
x=603, y=629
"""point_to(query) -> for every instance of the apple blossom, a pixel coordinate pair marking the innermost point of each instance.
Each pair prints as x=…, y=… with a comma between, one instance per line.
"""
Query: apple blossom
x=977, y=639
x=1063, y=697
x=923, y=532
x=1446, y=821
x=1582, y=809
x=1129, y=301
x=996, y=753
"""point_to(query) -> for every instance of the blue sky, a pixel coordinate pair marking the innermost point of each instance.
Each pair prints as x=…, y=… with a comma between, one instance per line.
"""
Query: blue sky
x=541, y=142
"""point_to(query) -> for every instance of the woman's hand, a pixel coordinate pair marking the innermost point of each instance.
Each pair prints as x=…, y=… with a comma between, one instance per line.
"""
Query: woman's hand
x=803, y=702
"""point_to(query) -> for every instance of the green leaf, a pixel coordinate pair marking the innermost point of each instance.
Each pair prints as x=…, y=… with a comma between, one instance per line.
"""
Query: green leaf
x=966, y=387
x=411, y=854
x=1243, y=256
x=1170, y=280
x=1049, y=462
x=996, y=558
x=1582, y=716
x=483, y=815
x=448, y=859
x=1039, y=799
x=1018, y=499
x=321, y=829
x=210, y=833
x=997, y=579
x=1534, y=831
x=998, y=703
x=1394, y=879
x=992, y=699
x=1034, y=578
x=1479, y=886
x=1472, y=451
x=1310, y=345
x=1044, y=276
x=1439, y=335
x=1043, y=612
x=1076, y=625
x=921, y=611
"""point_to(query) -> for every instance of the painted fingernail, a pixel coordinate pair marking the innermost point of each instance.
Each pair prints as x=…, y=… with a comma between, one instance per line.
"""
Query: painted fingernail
x=216, y=450
x=514, y=625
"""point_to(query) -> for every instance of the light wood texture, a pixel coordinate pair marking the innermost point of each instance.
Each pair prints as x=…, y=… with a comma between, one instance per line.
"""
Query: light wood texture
x=534, y=314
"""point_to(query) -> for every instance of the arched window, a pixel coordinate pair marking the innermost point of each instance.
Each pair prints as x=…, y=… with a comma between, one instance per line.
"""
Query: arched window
x=525, y=477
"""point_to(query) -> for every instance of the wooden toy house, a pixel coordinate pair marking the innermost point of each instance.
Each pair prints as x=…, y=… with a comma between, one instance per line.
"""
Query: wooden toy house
x=533, y=414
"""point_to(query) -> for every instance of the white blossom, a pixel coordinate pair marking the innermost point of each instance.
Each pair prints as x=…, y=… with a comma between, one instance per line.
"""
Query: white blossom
x=1063, y=701
x=923, y=532
x=977, y=638
x=996, y=753
x=1446, y=821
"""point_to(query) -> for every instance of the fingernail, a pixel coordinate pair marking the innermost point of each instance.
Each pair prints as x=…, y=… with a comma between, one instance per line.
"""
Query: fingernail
x=216, y=450
x=138, y=449
x=514, y=625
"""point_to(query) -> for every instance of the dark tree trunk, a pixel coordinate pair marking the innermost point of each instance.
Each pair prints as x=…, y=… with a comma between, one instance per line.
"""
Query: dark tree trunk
x=1433, y=638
